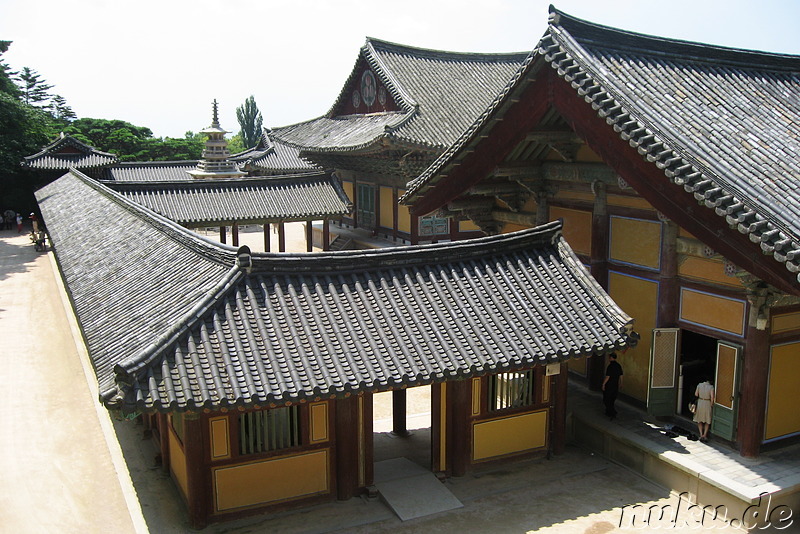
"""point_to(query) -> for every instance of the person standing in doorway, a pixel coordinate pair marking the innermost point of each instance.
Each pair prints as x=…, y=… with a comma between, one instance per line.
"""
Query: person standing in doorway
x=702, y=414
x=611, y=384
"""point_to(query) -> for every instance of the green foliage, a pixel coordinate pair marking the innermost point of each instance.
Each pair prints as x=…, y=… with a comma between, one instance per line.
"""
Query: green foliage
x=236, y=144
x=34, y=89
x=7, y=84
x=250, y=121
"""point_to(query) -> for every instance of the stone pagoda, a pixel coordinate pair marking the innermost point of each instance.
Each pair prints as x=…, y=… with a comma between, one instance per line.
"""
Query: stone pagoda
x=215, y=163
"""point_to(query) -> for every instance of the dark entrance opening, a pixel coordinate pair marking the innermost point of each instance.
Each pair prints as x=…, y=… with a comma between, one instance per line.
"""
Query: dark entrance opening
x=698, y=362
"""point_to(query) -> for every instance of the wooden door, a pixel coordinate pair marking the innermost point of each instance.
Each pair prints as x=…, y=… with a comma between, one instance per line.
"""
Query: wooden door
x=723, y=422
x=663, y=371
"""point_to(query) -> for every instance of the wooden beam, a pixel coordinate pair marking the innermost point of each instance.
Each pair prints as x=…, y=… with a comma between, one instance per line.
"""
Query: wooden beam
x=523, y=218
x=471, y=203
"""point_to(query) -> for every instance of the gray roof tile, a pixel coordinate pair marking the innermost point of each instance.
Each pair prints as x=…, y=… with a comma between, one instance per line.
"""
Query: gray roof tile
x=172, y=322
x=67, y=152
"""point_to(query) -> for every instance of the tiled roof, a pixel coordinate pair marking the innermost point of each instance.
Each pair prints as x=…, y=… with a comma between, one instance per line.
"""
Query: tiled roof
x=440, y=94
x=184, y=324
x=67, y=152
x=150, y=171
x=273, y=157
x=126, y=297
x=197, y=202
x=721, y=123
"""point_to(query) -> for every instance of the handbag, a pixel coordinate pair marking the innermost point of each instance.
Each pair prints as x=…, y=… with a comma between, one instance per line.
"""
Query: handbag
x=693, y=406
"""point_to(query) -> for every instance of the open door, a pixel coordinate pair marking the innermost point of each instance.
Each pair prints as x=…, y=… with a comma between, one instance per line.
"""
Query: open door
x=723, y=423
x=663, y=371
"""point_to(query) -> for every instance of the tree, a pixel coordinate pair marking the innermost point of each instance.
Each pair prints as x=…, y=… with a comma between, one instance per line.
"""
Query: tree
x=7, y=84
x=60, y=110
x=34, y=88
x=250, y=121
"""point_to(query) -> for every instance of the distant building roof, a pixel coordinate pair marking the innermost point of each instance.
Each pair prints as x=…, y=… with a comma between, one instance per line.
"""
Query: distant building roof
x=150, y=171
x=175, y=322
x=436, y=95
x=67, y=152
x=269, y=157
x=721, y=123
x=191, y=202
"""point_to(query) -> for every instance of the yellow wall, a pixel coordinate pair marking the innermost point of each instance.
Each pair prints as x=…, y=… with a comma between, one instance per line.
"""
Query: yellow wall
x=403, y=216
x=639, y=299
x=783, y=417
x=220, y=442
x=635, y=241
x=348, y=189
x=577, y=365
x=577, y=228
x=706, y=270
x=177, y=463
x=273, y=480
x=509, y=435
x=468, y=226
x=713, y=311
x=786, y=322
x=387, y=208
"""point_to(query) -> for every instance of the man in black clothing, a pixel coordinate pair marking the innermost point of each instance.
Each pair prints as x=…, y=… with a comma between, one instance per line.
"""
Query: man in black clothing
x=611, y=385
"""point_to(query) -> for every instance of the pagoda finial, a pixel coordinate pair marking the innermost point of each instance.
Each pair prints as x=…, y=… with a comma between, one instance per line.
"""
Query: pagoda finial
x=215, y=122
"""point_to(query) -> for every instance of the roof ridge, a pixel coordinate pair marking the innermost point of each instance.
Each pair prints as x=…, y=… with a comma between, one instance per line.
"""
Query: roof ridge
x=433, y=51
x=590, y=32
x=393, y=257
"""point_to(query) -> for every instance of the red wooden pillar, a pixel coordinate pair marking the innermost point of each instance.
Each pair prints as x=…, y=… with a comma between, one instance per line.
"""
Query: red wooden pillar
x=347, y=437
x=599, y=268
x=459, y=443
x=235, y=233
x=309, y=236
x=414, y=229
x=223, y=234
x=281, y=237
x=559, y=406
x=198, y=472
x=326, y=235
x=266, y=237
x=399, y=397
x=668, y=286
x=163, y=437
x=753, y=401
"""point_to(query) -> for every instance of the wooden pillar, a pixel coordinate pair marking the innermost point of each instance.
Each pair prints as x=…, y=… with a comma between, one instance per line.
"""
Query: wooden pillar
x=668, y=285
x=753, y=400
x=595, y=366
x=347, y=437
x=376, y=199
x=266, y=237
x=198, y=473
x=399, y=397
x=459, y=443
x=223, y=234
x=414, y=229
x=326, y=235
x=395, y=214
x=309, y=236
x=558, y=391
x=163, y=436
x=235, y=233
x=542, y=208
x=453, y=227
x=281, y=237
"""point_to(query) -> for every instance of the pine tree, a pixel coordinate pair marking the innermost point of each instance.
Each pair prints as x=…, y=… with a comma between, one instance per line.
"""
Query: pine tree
x=34, y=88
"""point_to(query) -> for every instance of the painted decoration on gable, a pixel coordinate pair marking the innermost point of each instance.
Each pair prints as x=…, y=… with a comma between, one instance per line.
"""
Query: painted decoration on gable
x=369, y=87
x=382, y=96
x=356, y=99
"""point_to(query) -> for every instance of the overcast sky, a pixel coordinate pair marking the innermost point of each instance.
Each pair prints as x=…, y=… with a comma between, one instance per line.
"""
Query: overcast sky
x=160, y=63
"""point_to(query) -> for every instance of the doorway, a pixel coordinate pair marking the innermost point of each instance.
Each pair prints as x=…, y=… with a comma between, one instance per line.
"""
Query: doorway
x=415, y=443
x=698, y=362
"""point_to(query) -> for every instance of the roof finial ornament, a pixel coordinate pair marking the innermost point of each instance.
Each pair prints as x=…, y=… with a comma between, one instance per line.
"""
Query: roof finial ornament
x=215, y=121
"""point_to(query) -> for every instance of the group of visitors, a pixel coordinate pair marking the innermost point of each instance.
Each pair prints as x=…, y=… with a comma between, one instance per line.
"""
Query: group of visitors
x=704, y=395
x=11, y=217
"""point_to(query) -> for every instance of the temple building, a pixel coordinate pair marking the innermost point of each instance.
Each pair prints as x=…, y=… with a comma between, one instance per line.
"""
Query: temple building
x=673, y=166
x=256, y=371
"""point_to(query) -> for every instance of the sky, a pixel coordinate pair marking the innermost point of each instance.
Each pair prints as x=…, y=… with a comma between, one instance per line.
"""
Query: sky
x=160, y=64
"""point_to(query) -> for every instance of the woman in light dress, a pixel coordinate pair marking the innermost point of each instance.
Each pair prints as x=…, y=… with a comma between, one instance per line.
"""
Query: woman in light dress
x=702, y=415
